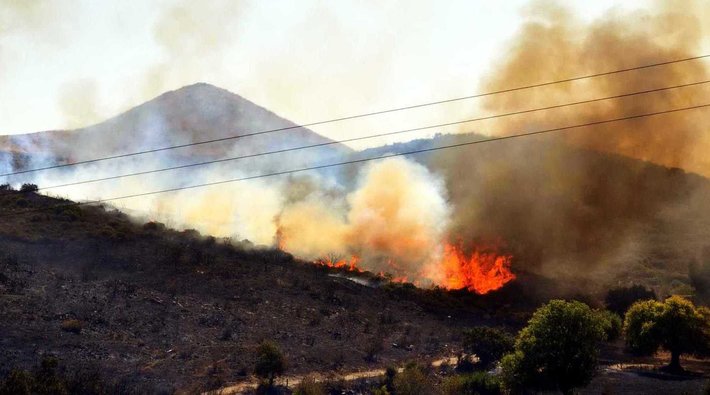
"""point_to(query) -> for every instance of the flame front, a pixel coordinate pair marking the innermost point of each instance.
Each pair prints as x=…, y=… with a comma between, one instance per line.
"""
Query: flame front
x=482, y=271
x=348, y=264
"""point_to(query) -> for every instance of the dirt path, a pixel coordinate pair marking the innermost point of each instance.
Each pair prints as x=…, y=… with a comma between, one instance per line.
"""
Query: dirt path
x=292, y=381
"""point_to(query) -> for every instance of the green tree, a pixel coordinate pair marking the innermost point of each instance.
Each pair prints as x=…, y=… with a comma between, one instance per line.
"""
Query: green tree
x=558, y=348
x=270, y=362
x=675, y=325
x=488, y=344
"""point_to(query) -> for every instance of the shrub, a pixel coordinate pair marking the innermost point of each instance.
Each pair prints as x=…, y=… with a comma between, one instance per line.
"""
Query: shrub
x=270, y=362
x=48, y=380
x=374, y=346
x=153, y=226
x=17, y=382
x=557, y=349
x=388, y=382
x=71, y=325
x=613, y=324
x=309, y=386
x=27, y=188
x=477, y=383
x=488, y=344
x=413, y=381
x=675, y=325
x=620, y=299
x=5, y=187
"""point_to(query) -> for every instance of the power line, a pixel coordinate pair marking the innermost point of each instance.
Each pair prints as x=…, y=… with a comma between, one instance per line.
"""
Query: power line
x=222, y=160
x=350, y=117
x=363, y=160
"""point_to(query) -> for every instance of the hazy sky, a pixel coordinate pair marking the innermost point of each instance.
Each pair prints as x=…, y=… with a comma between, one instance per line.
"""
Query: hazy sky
x=70, y=63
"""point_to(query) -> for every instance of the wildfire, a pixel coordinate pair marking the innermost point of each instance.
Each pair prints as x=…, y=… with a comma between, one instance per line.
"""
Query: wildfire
x=482, y=271
x=348, y=264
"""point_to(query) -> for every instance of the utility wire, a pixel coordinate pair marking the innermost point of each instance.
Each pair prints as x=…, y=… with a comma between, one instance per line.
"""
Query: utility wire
x=477, y=95
x=363, y=160
x=370, y=136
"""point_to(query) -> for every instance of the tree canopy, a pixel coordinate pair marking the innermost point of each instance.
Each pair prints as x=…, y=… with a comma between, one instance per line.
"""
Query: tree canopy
x=557, y=349
x=675, y=325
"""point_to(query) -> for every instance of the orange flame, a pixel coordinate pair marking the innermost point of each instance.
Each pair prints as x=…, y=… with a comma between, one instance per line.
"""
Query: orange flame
x=483, y=271
x=350, y=265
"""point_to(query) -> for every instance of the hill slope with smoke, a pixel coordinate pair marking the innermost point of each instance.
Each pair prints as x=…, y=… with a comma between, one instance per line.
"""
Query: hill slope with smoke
x=566, y=211
x=456, y=218
x=190, y=114
x=607, y=203
x=187, y=115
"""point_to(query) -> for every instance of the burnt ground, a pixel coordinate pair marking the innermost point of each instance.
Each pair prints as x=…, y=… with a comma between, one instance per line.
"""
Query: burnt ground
x=173, y=309
x=162, y=310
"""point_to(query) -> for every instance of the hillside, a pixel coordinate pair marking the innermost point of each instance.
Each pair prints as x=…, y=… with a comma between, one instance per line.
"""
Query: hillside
x=190, y=114
x=165, y=309
x=574, y=213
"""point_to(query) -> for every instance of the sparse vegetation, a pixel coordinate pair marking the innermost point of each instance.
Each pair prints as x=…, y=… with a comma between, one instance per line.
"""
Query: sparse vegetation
x=48, y=378
x=476, y=383
x=29, y=188
x=71, y=325
x=413, y=381
x=675, y=325
x=309, y=386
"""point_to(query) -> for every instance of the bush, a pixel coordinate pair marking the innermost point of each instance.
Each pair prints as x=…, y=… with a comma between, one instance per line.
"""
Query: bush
x=488, y=344
x=48, y=380
x=17, y=382
x=388, y=383
x=27, y=188
x=613, y=324
x=5, y=187
x=71, y=325
x=374, y=346
x=620, y=299
x=309, y=386
x=675, y=325
x=477, y=383
x=557, y=350
x=413, y=381
x=270, y=362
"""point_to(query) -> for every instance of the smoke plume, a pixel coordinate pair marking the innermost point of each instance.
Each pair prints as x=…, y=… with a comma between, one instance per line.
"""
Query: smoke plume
x=572, y=203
